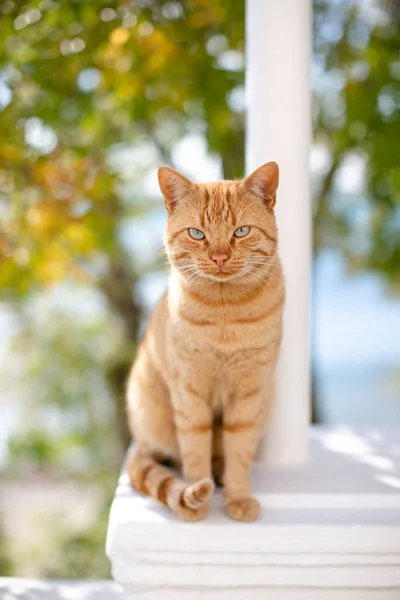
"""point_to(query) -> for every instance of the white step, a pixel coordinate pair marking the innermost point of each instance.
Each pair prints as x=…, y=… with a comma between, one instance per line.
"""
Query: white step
x=328, y=529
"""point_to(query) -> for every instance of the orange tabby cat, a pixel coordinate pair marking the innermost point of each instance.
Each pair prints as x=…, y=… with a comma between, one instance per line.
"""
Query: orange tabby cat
x=201, y=388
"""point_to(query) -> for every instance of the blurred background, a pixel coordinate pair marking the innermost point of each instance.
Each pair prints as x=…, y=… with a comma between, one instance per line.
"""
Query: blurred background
x=94, y=96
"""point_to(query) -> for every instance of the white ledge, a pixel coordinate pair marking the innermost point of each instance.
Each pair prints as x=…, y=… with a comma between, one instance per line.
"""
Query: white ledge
x=14, y=588
x=331, y=525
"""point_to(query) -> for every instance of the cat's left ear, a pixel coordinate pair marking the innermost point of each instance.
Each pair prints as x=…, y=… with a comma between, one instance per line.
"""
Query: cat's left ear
x=174, y=186
x=263, y=182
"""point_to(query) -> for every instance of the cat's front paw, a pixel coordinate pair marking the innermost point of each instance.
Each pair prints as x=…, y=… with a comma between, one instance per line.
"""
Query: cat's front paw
x=246, y=509
x=189, y=514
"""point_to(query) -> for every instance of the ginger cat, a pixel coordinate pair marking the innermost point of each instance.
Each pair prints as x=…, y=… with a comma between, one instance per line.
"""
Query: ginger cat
x=200, y=391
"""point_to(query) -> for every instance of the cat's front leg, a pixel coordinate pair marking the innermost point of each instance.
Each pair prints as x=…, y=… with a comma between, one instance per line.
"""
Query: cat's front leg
x=240, y=437
x=193, y=419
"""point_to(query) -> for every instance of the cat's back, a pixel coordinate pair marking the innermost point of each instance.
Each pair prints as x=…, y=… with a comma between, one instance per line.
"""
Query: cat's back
x=152, y=348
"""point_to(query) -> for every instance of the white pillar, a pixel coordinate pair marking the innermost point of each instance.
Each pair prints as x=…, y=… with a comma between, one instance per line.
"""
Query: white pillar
x=278, y=42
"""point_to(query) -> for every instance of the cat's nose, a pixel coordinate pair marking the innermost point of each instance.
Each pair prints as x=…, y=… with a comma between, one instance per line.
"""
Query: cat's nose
x=219, y=259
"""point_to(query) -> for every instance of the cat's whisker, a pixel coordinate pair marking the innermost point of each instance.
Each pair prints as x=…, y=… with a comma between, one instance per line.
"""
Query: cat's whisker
x=268, y=275
x=178, y=252
x=274, y=277
x=262, y=280
x=176, y=263
x=253, y=275
x=260, y=276
x=179, y=261
x=262, y=262
x=193, y=277
x=266, y=259
x=187, y=269
x=260, y=267
x=180, y=265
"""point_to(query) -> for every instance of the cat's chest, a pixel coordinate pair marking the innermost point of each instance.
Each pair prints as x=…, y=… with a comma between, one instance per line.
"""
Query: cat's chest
x=224, y=328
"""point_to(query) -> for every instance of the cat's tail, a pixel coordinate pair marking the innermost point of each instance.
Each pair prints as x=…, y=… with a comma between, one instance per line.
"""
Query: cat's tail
x=190, y=502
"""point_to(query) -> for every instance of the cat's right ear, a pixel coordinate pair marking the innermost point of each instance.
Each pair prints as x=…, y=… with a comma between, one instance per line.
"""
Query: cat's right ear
x=174, y=186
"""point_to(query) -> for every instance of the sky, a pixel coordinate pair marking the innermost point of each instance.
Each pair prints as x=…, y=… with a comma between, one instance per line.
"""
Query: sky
x=356, y=320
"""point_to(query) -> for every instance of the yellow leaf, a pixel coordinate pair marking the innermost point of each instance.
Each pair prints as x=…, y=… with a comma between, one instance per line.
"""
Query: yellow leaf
x=119, y=36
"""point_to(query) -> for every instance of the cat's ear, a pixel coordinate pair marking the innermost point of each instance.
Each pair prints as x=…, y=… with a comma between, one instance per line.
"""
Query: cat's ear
x=263, y=182
x=174, y=186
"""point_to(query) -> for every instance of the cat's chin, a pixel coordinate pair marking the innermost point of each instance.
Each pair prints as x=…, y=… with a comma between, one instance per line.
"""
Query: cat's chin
x=221, y=276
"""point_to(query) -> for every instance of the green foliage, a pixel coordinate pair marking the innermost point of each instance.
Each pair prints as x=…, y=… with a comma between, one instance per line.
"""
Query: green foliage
x=84, y=76
x=81, y=555
x=361, y=116
x=60, y=359
x=37, y=449
x=6, y=566
x=81, y=83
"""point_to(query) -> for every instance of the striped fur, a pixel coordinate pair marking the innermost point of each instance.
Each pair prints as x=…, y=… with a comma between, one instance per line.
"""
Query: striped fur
x=200, y=391
x=152, y=479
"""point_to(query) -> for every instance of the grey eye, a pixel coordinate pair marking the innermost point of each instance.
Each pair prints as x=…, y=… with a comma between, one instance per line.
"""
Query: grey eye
x=196, y=234
x=242, y=231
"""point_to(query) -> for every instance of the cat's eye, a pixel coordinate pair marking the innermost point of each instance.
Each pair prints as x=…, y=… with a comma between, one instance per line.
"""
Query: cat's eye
x=196, y=234
x=242, y=231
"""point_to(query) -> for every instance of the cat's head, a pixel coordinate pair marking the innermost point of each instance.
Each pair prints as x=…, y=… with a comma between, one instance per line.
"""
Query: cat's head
x=224, y=230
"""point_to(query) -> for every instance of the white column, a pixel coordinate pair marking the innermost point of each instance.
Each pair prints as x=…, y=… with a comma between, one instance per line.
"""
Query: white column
x=278, y=42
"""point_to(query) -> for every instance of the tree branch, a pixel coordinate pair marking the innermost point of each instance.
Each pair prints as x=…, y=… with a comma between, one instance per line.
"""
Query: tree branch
x=117, y=287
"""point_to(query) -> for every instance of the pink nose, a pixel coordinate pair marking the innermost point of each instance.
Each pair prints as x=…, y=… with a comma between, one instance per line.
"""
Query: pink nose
x=219, y=259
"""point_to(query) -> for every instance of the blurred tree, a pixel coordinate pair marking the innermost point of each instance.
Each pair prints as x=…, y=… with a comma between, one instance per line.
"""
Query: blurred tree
x=357, y=125
x=357, y=120
x=81, y=555
x=6, y=566
x=77, y=79
x=82, y=85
